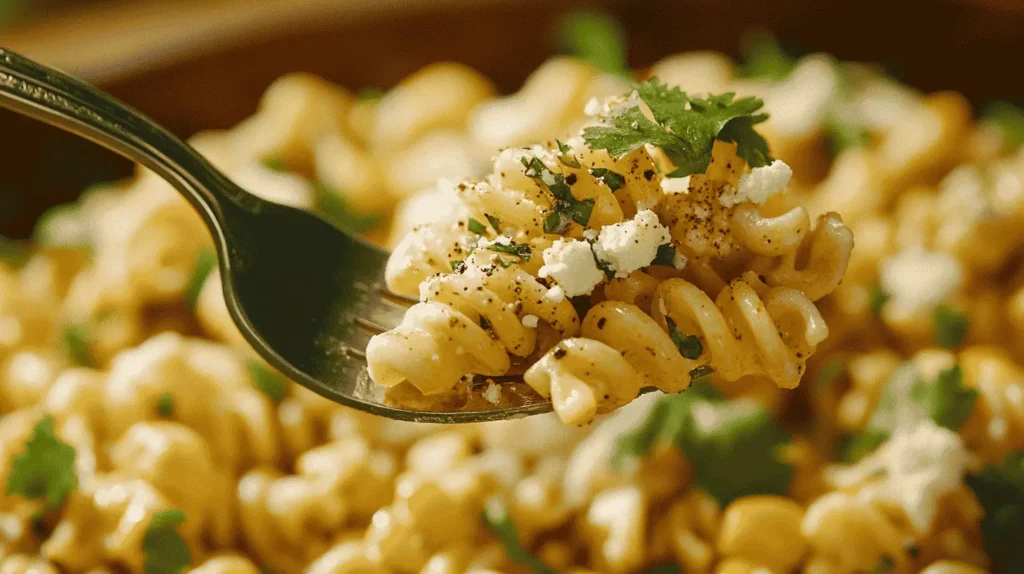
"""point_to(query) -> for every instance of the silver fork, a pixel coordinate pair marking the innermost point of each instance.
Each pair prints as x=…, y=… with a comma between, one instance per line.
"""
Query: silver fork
x=306, y=295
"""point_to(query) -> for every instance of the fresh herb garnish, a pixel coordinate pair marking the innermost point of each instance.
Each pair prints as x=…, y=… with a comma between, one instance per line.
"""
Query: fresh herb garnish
x=689, y=345
x=165, y=405
x=701, y=374
x=763, y=57
x=206, y=262
x=274, y=164
x=267, y=380
x=475, y=226
x=78, y=342
x=604, y=266
x=518, y=249
x=566, y=208
x=950, y=326
x=666, y=255
x=1000, y=490
x=844, y=134
x=496, y=519
x=597, y=38
x=494, y=221
x=608, y=177
x=458, y=265
x=164, y=549
x=45, y=469
x=862, y=444
x=1009, y=119
x=371, y=95
x=877, y=298
x=565, y=156
x=332, y=205
x=947, y=401
x=685, y=128
x=830, y=372
x=12, y=252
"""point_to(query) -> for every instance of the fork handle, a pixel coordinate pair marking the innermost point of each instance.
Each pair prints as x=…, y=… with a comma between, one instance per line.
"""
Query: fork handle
x=45, y=94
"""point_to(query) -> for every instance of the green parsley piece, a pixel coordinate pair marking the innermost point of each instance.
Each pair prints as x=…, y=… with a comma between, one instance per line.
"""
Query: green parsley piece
x=613, y=180
x=494, y=221
x=502, y=262
x=862, y=444
x=267, y=380
x=332, y=205
x=274, y=164
x=206, y=262
x=518, y=249
x=78, y=342
x=565, y=156
x=947, y=401
x=763, y=57
x=877, y=298
x=475, y=226
x=165, y=405
x=458, y=265
x=1009, y=119
x=701, y=374
x=62, y=226
x=164, y=549
x=597, y=38
x=567, y=208
x=666, y=255
x=950, y=326
x=685, y=128
x=496, y=518
x=830, y=371
x=739, y=455
x=1000, y=490
x=843, y=134
x=45, y=469
x=689, y=345
x=371, y=95
x=604, y=266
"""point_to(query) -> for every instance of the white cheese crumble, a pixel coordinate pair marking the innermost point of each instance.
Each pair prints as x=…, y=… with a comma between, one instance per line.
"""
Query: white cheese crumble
x=592, y=107
x=917, y=280
x=590, y=235
x=572, y=265
x=674, y=185
x=492, y=393
x=556, y=294
x=631, y=245
x=914, y=469
x=679, y=261
x=530, y=321
x=759, y=185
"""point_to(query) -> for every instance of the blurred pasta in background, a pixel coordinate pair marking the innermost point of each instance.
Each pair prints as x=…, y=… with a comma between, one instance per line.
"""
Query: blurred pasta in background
x=139, y=433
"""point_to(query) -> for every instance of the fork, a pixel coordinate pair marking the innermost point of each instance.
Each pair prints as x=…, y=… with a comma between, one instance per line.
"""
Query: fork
x=306, y=295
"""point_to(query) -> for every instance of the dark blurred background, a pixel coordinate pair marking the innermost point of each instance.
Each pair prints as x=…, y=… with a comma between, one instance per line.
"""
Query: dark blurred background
x=197, y=64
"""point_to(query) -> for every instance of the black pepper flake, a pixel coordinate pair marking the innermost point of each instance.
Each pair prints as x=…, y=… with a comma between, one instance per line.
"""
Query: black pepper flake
x=570, y=179
x=648, y=174
x=559, y=353
x=601, y=322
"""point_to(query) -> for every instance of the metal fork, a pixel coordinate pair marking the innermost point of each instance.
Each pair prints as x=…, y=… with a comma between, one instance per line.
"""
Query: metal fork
x=306, y=295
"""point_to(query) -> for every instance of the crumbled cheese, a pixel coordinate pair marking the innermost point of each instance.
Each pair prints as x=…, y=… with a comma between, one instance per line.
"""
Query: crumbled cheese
x=439, y=204
x=679, y=261
x=674, y=185
x=631, y=245
x=572, y=265
x=592, y=107
x=484, y=243
x=590, y=235
x=758, y=185
x=492, y=393
x=556, y=294
x=918, y=280
x=914, y=469
x=530, y=321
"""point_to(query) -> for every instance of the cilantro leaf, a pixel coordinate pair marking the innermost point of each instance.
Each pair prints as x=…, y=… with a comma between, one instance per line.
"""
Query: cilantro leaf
x=565, y=156
x=666, y=255
x=332, y=205
x=206, y=262
x=844, y=134
x=267, y=380
x=1009, y=119
x=685, y=128
x=862, y=444
x=830, y=372
x=63, y=226
x=877, y=298
x=475, y=226
x=950, y=326
x=597, y=38
x=371, y=95
x=274, y=164
x=494, y=221
x=78, y=342
x=165, y=405
x=165, y=550
x=566, y=208
x=608, y=177
x=496, y=518
x=947, y=401
x=518, y=249
x=689, y=345
x=701, y=374
x=1000, y=490
x=763, y=57
x=45, y=469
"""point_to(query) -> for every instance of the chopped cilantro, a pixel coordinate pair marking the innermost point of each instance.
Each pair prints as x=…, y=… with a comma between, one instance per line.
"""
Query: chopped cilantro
x=689, y=345
x=565, y=156
x=332, y=205
x=608, y=177
x=738, y=455
x=165, y=405
x=596, y=37
x=950, y=326
x=78, y=342
x=877, y=299
x=1000, y=490
x=763, y=57
x=947, y=401
x=371, y=95
x=604, y=266
x=862, y=444
x=685, y=128
x=270, y=382
x=45, y=469
x=830, y=372
x=274, y=164
x=701, y=373
x=518, y=249
x=206, y=262
x=458, y=265
x=494, y=221
x=844, y=134
x=165, y=550
x=502, y=262
x=475, y=226
x=496, y=519
x=666, y=255
x=63, y=226
x=566, y=208
x=1009, y=119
